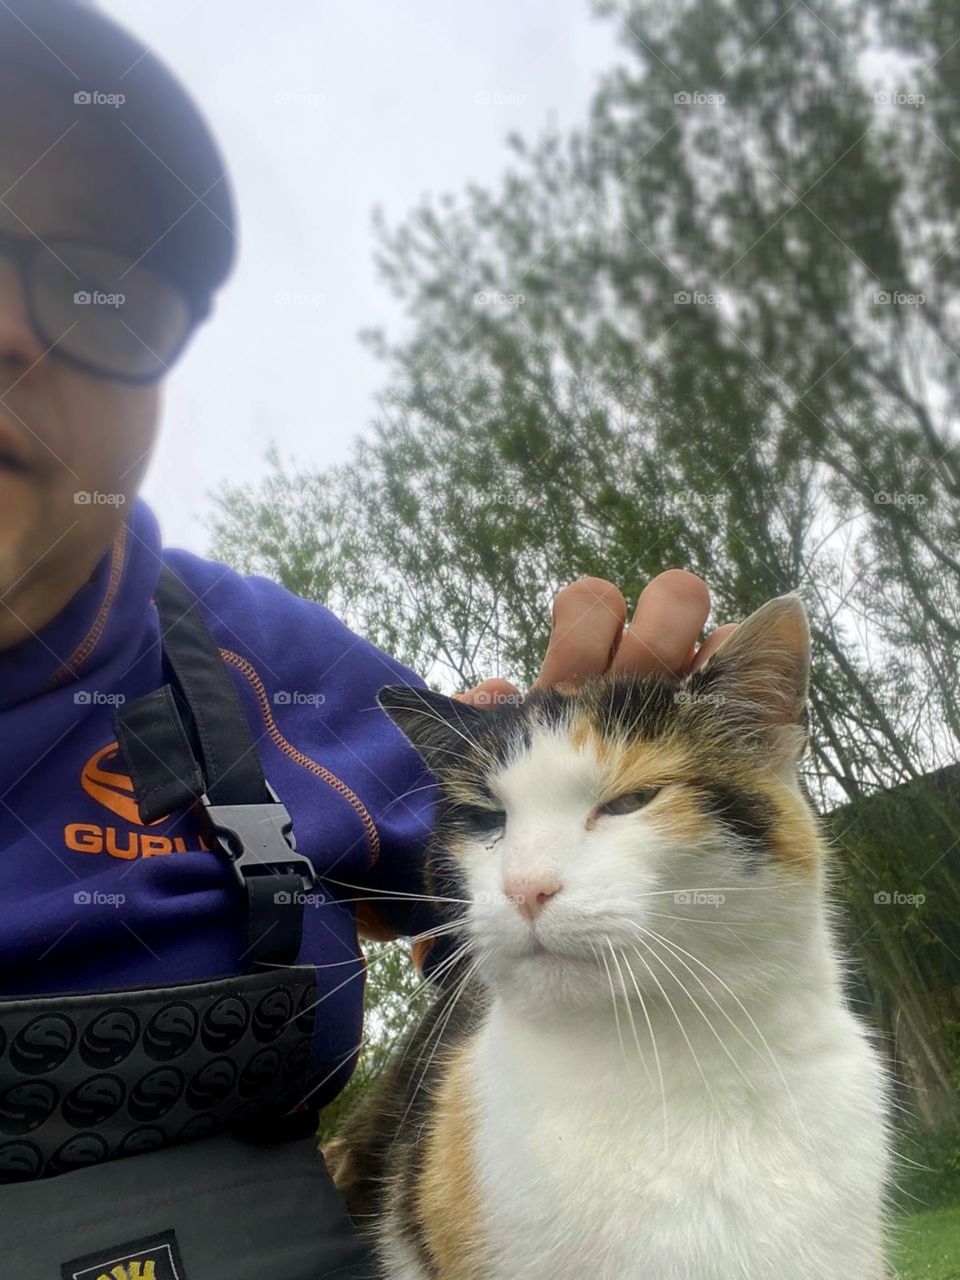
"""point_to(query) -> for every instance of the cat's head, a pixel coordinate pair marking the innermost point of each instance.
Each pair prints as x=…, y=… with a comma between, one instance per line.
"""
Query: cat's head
x=633, y=826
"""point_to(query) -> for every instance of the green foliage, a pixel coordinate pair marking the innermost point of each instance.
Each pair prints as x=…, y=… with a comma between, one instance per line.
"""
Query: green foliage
x=897, y=871
x=395, y=997
x=927, y=1169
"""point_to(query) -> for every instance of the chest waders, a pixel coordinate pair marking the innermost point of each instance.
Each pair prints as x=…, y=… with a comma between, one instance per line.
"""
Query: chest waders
x=167, y=1133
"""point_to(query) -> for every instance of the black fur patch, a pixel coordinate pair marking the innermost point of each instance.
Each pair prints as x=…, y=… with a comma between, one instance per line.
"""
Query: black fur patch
x=644, y=708
x=747, y=816
x=387, y=1136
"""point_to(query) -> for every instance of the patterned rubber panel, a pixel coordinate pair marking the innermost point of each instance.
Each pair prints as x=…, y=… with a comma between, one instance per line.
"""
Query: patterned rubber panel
x=88, y=1078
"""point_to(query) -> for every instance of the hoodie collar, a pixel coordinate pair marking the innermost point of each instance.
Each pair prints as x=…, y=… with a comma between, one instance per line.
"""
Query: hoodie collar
x=106, y=615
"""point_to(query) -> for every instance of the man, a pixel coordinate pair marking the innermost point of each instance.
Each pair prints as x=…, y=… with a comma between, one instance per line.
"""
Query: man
x=145, y=993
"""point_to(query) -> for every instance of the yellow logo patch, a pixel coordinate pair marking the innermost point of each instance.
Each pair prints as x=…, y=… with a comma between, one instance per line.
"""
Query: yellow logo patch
x=152, y=1258
x=134, y=1270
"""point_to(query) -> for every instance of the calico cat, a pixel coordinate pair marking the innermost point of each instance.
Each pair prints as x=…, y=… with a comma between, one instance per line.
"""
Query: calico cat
x=639, y=1065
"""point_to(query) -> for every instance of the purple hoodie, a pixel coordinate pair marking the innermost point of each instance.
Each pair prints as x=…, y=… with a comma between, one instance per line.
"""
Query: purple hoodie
x=90, y=898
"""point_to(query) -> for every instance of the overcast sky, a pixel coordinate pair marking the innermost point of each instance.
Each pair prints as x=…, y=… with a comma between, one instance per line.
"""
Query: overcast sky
x=324, y=110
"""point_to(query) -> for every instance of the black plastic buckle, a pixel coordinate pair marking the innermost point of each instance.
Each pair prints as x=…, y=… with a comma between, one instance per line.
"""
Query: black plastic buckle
x=258, y=839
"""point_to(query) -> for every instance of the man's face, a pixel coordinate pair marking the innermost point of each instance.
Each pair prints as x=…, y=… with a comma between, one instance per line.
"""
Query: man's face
x=63, y=432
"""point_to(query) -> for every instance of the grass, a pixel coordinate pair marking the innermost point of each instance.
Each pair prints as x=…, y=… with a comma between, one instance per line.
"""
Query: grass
x=926, y=1204
x=927, y=1245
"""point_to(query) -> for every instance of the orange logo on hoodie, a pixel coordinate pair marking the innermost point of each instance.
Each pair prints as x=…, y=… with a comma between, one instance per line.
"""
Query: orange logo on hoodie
x=101, y=779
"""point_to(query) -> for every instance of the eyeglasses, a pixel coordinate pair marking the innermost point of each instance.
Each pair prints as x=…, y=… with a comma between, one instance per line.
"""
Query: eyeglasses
x=99, y=309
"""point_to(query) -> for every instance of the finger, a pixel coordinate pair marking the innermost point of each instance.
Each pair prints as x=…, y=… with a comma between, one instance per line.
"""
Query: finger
x=588, y=617
x=489, y=693
x=712, y=643
x=669, y=617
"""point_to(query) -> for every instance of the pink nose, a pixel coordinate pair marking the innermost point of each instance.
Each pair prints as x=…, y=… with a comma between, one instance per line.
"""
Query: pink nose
x=531, y=896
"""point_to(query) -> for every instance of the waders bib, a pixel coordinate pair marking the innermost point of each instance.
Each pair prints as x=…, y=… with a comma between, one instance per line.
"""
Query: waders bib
x=168, y=1133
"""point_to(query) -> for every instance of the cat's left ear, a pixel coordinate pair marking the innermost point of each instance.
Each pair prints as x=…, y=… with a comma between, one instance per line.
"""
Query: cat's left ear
x=438, y=727
x=760, y=679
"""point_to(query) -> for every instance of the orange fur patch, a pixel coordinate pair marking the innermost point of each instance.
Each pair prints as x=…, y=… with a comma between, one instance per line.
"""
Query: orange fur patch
x=629, y=766
x=797, y=842
x=448, y=1204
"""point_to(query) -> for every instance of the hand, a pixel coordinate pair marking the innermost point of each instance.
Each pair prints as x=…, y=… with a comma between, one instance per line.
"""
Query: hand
x=590, y=635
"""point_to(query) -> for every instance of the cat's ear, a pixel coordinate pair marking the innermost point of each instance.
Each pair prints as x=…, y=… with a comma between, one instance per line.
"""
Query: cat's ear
x=760, y=679
x=438, y=727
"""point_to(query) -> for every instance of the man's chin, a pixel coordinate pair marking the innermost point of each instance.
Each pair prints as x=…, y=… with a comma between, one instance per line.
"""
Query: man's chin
x=24, y=552
x=18, y=516
x=13, y=481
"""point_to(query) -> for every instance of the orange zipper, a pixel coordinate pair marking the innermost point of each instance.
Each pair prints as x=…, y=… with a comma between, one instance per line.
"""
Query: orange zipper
x=89, y=641
x=250, y=672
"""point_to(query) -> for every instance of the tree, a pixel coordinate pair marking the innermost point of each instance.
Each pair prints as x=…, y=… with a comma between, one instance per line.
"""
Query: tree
x=714, y=327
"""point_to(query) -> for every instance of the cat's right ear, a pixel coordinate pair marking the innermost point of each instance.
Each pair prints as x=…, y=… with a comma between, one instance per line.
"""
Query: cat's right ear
x=761, y=676
x=438, y=727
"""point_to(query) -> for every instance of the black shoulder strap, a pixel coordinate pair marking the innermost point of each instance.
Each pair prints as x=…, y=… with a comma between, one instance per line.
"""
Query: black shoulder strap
x=209, y=755
x=231, y=769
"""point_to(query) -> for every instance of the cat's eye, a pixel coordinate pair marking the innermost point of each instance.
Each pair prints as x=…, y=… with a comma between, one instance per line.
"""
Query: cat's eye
x=480, y=821
x=629, y=802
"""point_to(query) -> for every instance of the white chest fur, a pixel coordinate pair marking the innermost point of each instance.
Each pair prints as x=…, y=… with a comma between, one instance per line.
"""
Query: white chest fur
x=766, y=1161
